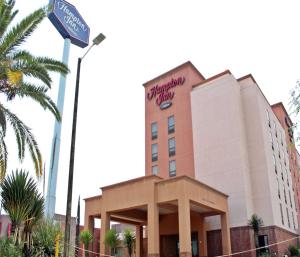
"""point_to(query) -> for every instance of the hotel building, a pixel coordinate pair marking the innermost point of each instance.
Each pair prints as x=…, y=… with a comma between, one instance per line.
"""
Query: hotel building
x=216, y=153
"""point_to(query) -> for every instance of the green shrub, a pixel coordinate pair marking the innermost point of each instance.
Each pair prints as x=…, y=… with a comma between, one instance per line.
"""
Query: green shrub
x=129, y=239
x=86, y=238
x=294, y=251
x=112, y=239
x=8, y=249
x=44, y=236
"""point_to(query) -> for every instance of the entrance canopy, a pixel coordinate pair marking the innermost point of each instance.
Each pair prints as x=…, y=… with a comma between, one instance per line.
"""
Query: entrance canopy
x=154, y=202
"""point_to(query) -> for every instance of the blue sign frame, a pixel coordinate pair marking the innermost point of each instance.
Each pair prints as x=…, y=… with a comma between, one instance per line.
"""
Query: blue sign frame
x=69, y=23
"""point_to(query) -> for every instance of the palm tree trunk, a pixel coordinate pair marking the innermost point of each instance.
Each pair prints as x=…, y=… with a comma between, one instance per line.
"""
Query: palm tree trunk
x=86, y=253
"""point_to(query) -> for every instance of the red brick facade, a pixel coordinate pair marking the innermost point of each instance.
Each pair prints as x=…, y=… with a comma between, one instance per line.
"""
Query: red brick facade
x=242, y=239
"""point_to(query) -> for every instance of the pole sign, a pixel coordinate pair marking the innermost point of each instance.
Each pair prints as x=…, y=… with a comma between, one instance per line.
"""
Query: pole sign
x=69, y=23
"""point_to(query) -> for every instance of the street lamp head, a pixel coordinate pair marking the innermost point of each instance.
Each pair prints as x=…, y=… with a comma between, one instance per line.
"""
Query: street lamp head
x=97, y=40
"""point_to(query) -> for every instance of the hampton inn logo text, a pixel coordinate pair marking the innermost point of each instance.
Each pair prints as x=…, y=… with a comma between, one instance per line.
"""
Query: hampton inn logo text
x=163, y=92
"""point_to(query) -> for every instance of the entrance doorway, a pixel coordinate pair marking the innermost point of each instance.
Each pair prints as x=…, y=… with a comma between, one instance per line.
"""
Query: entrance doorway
x=169, y=245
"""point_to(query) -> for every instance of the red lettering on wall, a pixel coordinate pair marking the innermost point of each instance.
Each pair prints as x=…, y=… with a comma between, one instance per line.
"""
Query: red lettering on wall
x=161, y=92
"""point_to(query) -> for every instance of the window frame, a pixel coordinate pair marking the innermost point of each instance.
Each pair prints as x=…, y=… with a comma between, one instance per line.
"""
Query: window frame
x=152, y=170
x=171, y=149
x=172, y=173
x=154, y=155
x=171, y=125
x=154, y=133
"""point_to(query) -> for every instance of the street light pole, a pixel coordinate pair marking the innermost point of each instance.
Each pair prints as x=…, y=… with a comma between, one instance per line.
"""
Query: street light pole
x=96, y=41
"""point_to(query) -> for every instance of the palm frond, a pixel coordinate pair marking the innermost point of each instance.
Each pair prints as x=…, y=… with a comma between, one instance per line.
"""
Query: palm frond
x=2, y=123
x=21, y=55
x=38, y=94
x=18, y=34
x=24, y=137
x=33, y=69
x=3, y=157
x=6, y=15
x=35, y=155
x=52, y=65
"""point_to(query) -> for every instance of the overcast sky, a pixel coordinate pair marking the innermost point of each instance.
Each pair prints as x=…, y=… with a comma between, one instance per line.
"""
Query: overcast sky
x=143, y=40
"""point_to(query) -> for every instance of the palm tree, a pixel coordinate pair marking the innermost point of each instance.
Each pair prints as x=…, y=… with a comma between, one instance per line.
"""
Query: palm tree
x=16, y=66
x=112, y=239
x=86, y=238
x=255, y=223
x=129, y=239
x=35, y=215
x=21, y=200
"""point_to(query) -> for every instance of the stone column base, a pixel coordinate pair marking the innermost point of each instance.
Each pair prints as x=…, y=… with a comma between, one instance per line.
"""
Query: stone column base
x=185, y=254
x=153, y=254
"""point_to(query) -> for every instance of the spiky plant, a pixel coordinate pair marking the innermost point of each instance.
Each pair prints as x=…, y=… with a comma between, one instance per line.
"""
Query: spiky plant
x=86, y=238
x=35, y=215
x=111, y=239
x=129, y=239
x=16, y=66
x=256, y=223
x=21, y=200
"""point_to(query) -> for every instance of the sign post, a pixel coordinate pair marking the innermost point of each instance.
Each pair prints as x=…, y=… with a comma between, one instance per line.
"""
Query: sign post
x=69, y=23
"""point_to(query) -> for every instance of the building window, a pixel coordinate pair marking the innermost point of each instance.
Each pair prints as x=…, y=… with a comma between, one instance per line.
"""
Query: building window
x=279, y=196
x=274, y=162
x=171, y=124
x=284, y=192
x=172, y=168
x=281, y=212
x=154, y=151
x=293, y=220
x=288, y=217
x=155, y=170
x=268, y=118
x=263, y=242
x=172, y=149
x=154, y=130
x=290, y=199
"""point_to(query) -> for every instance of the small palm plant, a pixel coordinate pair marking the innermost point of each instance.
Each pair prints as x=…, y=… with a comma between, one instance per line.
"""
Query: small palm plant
x=129, y=239
x=112, y=239
x=255, y=223
x=22, y=201
x=35, y=215
x=86, y=238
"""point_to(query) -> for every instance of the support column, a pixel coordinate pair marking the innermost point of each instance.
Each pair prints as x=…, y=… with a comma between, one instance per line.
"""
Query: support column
x=105, y=226
x=202, y=243
x=225, y=229
x=89, y=223
x=153, y=230
x=184, y=220
x=138, y=240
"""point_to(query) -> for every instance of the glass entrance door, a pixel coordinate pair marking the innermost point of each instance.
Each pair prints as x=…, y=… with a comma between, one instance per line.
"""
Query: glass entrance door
x=194, y=245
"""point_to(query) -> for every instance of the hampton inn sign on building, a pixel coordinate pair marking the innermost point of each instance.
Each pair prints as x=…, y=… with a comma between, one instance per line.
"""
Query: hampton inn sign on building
x=215, y=156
